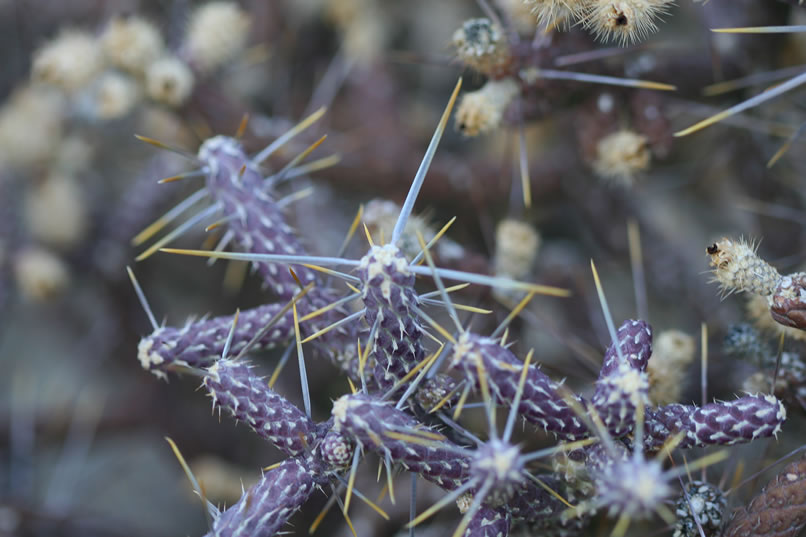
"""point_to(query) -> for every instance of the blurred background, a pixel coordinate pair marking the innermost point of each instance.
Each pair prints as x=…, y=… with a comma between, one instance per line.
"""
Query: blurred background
x=82, y=425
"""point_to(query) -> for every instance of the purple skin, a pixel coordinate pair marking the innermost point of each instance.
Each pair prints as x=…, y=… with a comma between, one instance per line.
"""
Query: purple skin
x=367, y=420
x=254, y=217
x=489, y=522
x=234, y=387
x=258, y=226
x=388, y=295
x=723, y=423
x=617, y=396
x=266, y=507
x=635, y=340
x=199, y=344
x=541, y=403
x=336, y=451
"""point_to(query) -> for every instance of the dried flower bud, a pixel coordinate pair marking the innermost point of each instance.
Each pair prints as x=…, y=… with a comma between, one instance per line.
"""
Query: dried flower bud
x=707, y=503
x=69, y=61
x=56, y=212
x=115, y=96
x=789, y=301
x=779, y=510
x=482, y=45
x=30, y=126
x=557, y=12
x=625, y=20
x=40, y=274
x=737, y=267
x=169, y=80
x=621, y=156
x=516, y=245
x=481, y=111
x=336, y=450
x=217, y=32
x=131, y=43
x=673, y=352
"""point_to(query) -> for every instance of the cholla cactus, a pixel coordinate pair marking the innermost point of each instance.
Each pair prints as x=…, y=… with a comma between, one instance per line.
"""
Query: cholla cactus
x=377, y=425
x=266, y=507
x=482, y=45
x=737, y=267
x=722, y=423
x=198, y=344
x=542, y=402
x=388, y=294
x=617, y=397
x=234, y=387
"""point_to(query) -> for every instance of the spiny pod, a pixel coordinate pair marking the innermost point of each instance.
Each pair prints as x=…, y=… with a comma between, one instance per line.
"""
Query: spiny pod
x=737, y=267
x=390, y=299
x=789, y=301
x=266, y=507
x=234, y=387
x=721, y=423
x=541, y=403
x=198, y=344
x=370, y=421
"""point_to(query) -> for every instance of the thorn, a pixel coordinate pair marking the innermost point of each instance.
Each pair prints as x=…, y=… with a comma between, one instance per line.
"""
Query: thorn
x=419, y=257
x=168, y=217
x=192, y=479
x=606, y=311
x=178, y=232
x=298, y=128
x=179, y=177
x=303, y=374
x=761, y=30
x=438, y=282
x=419, y=177
x=369, y=236
x=523, y=159
x=514, y=313
x=606, y=80
x=280, y=365
x=242, y=127
x=349, y=318
x=513, y=411
x=162, y=145
x=143, y=300
x=230, y=335
x=351, y=481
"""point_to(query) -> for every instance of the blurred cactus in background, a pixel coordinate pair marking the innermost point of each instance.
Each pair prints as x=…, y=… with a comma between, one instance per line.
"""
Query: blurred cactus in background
x=454, y=276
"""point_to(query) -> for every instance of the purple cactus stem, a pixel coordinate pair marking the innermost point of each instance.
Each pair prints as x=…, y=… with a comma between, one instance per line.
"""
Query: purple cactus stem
x=618, y=395
x=265, y=508
x=367, y=420
x=253, y=217
x=258, y=226
x=389, y=297
x=200, y=343
x=720, y=423
x=489, y=522
x=234, y=387
x=541, y=403
x=635, y=340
